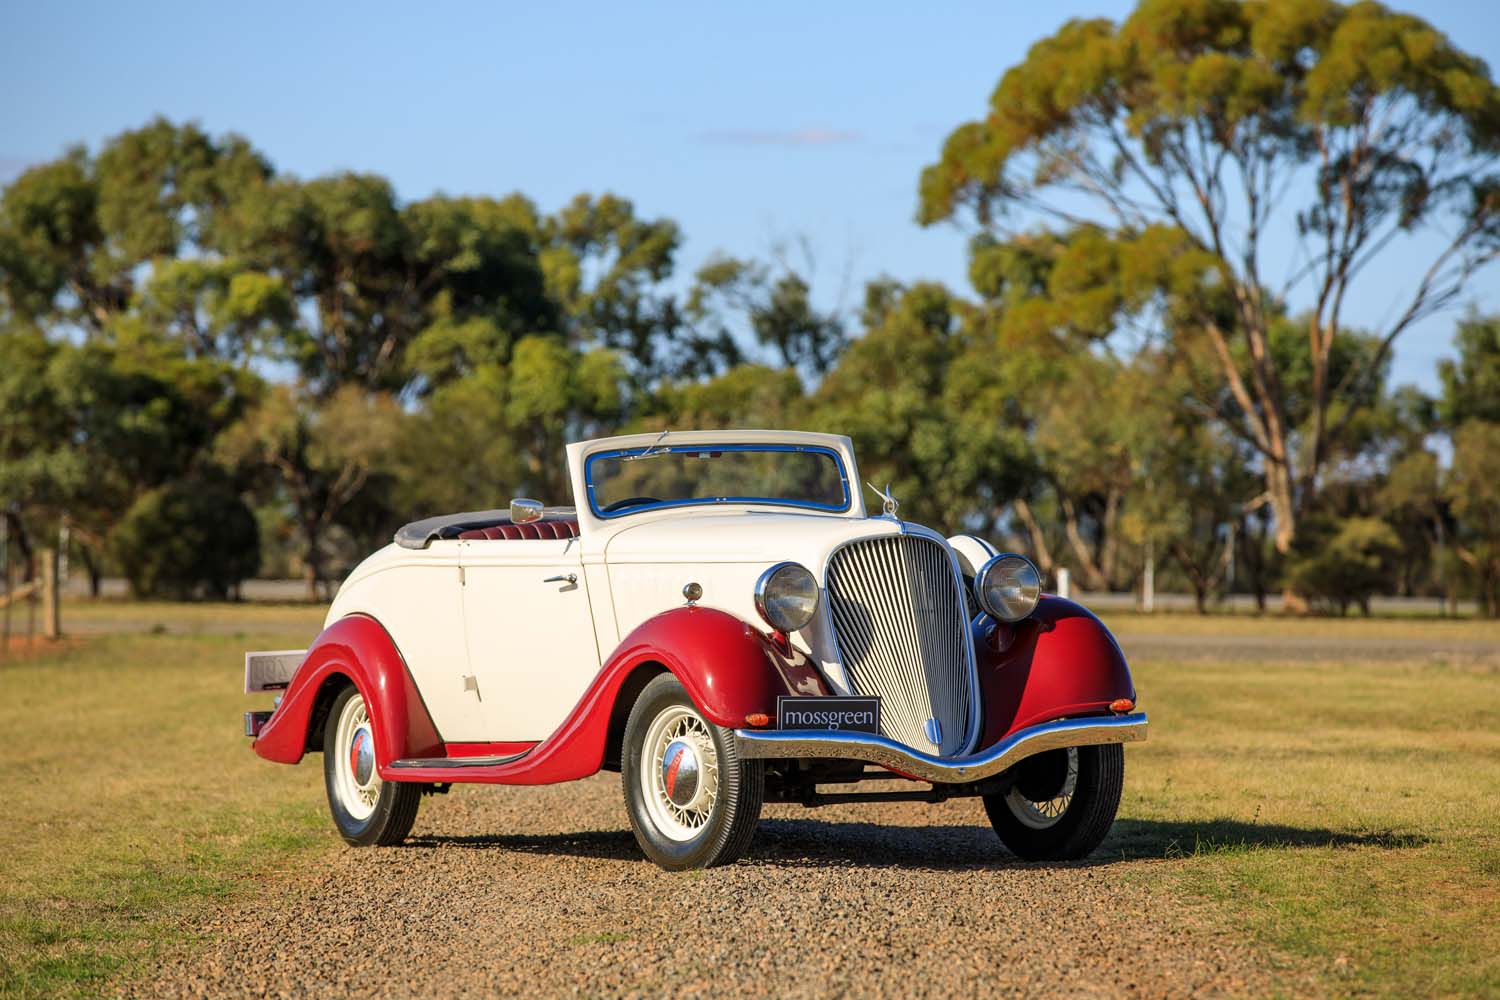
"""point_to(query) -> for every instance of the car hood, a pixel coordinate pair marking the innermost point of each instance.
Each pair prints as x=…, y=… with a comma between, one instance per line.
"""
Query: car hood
x=742, y=537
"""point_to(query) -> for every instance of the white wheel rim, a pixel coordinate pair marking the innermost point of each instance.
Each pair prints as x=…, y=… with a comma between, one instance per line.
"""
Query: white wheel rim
x=1043, y=815
x=354, y=758
x=678, y=744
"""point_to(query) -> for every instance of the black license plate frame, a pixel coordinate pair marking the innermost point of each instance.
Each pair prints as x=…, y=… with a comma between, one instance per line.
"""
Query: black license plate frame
x=830, y=713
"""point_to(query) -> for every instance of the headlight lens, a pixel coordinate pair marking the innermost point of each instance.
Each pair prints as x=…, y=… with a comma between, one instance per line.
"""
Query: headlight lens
x=786, y=595
x=1008, y=587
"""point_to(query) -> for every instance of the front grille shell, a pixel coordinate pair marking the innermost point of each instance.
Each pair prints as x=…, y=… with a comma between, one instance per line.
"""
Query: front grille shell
x=898, y=615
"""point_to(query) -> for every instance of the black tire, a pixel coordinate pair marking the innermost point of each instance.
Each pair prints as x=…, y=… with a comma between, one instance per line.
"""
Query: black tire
x=395, y=801
x=734, y=811
x=1085, y=821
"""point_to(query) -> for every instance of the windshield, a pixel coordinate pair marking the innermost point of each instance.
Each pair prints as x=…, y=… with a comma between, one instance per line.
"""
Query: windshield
x=625, y=482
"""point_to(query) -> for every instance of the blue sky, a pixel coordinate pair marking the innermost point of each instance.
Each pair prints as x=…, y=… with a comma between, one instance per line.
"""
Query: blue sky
x=752, y=126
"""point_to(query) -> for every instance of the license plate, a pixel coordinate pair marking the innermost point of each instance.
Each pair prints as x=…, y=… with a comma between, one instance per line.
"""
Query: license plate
x=860, y=715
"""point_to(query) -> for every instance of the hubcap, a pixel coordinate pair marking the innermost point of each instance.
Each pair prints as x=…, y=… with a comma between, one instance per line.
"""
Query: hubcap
x=680, y=773
x=356, y=784
x=362, y=756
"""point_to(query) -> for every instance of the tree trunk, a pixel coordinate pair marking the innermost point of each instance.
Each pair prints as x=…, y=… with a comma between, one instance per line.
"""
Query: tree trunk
x=92, y=567
x=312, y=567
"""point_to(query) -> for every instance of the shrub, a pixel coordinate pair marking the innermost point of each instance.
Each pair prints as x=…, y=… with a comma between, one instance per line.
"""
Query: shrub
x=1336, y=564
x=187, y=539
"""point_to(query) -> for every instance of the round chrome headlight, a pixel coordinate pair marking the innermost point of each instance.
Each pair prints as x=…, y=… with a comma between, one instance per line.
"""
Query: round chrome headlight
x=1008, y=587
x=786, y=595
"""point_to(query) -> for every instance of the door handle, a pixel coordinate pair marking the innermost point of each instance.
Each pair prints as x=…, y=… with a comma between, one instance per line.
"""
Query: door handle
x=565, y=578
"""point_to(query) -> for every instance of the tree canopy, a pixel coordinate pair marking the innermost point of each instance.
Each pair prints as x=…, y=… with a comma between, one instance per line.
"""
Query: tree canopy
x=1349, y=126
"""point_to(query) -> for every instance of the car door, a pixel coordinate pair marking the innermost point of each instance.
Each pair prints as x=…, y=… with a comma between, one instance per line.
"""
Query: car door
x=530, y=630
x=417, y=596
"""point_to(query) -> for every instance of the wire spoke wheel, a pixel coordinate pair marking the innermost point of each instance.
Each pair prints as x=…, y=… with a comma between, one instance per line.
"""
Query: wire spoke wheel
x=1061, y=804
x=682, y=778
x=693, y=802
x=1047, y=813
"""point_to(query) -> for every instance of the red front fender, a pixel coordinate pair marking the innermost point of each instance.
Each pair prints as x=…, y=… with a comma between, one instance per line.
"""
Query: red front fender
x=1062, y=662
x=358, y=649
x=729, y=668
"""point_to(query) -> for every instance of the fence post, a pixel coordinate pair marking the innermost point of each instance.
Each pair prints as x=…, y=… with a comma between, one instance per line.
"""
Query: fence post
x=1064, y=584
x=51, y=606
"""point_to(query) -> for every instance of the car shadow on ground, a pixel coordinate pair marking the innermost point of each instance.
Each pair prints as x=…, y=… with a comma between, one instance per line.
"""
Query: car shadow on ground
x=790, y=843
x=1133, y=839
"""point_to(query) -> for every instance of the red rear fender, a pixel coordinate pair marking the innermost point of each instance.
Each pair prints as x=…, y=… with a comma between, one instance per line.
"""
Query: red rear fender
x=354, y=649
x=1060, y=662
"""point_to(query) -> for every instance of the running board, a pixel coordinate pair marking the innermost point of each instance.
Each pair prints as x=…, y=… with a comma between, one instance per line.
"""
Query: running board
x=436, y=763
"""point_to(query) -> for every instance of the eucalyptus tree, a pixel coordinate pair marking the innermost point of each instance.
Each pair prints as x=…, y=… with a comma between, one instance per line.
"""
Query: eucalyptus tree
x=1349, y=126
x=78, y=233
x=1471, y=410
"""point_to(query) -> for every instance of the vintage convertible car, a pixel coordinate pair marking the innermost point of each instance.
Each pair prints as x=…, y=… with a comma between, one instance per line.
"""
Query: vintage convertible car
x=720, y=620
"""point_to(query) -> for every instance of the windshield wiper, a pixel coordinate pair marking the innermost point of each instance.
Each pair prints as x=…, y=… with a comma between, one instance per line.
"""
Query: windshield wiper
x=651, y=451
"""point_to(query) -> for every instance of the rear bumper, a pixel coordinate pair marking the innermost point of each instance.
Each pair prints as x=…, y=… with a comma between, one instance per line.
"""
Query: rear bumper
x=782, y=744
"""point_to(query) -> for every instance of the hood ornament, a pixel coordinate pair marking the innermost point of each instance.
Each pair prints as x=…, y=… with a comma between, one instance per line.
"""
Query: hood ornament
x=888, y=502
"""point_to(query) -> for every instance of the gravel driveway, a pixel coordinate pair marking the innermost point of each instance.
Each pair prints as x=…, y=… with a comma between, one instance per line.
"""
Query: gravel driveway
x=542, y=892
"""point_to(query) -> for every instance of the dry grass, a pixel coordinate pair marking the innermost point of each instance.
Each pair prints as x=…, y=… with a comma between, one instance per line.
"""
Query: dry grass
x=132, y=803
x=1344, y=813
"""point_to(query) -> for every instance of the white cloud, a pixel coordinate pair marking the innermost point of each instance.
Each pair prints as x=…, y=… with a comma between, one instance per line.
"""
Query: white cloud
x=811, y=135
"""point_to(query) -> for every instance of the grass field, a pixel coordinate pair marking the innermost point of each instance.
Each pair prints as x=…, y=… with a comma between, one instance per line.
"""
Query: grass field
x=131, y=804
x=1345, y=814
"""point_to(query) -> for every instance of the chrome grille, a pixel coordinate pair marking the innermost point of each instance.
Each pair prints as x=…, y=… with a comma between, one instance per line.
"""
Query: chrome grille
x=898, y=617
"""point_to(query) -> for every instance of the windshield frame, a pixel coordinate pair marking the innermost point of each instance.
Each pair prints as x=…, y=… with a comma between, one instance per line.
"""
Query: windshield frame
x=841, y=508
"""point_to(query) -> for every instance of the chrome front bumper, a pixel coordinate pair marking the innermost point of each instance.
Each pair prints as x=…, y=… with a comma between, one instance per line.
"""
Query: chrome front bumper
x=802, y=743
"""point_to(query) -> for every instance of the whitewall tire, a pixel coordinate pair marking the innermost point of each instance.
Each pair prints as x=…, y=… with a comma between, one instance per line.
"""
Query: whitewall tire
x=693, y=803
x=365, y=809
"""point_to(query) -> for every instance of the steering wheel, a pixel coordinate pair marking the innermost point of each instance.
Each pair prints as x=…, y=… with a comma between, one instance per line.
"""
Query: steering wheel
x=629, y=502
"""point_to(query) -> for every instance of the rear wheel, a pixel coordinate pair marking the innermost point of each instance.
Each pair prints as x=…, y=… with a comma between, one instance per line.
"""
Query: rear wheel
x=1062, y=804
x=365, y=809
x=692, y=801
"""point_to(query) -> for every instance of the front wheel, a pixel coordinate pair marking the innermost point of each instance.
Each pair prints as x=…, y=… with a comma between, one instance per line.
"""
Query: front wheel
x=1062, y=804
x=366, y=810
x=692, y=801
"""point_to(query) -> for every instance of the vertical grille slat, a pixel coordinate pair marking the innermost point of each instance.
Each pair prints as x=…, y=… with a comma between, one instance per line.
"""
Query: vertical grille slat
x=899, y=619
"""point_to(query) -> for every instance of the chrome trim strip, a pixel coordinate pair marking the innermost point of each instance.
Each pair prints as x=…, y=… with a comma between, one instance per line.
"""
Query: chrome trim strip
x=770, y=744
x=422, y=763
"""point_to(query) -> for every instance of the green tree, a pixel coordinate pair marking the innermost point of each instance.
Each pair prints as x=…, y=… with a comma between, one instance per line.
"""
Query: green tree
x=1473, y=489
x=607, y=269
x=86, y=429
x=74, y=233
x=189, y=536
x=1345, y=562
x=318, y=454
x=1471, y=382
x=931, y=404
x=1217, y=120
x=500, y=431
x=777, y=308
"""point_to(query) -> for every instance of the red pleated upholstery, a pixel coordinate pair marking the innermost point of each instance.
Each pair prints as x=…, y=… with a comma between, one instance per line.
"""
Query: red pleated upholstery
x=533, y=530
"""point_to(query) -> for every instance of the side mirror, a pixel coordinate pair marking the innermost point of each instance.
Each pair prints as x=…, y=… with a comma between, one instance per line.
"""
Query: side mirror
x=523, y=511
